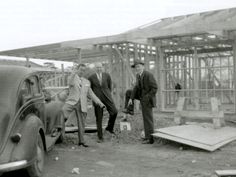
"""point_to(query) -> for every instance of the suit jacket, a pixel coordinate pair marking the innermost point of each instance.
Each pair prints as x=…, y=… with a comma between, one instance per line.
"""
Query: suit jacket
x=146, y=90
x=81, y=90
x=103, y=89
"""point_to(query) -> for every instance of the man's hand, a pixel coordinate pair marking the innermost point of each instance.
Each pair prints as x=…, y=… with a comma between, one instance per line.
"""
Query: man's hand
x=130, y=102
x=74, y=70
x=101, y=105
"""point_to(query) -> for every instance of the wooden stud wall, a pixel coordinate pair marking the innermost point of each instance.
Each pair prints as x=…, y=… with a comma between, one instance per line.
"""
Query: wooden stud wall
x=204, y=70
x=122, y=56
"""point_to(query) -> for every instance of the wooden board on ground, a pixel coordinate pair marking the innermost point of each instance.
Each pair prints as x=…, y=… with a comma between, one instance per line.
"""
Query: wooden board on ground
x=202, y=136
x=88, y=129
x=225, y=172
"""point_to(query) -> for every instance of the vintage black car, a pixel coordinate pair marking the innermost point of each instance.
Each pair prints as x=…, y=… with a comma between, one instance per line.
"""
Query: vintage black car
x=25, y=129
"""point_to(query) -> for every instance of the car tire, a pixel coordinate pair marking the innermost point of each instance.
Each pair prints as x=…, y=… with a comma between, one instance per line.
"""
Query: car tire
x=62, y=131
x=36, y=169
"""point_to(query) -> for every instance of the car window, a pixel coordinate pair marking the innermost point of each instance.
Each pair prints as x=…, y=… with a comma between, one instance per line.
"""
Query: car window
x=25, y=89
x=34, y=85
x=24, y=92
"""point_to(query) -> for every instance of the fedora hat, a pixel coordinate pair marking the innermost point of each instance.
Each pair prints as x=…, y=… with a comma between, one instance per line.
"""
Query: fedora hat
x=137, y=62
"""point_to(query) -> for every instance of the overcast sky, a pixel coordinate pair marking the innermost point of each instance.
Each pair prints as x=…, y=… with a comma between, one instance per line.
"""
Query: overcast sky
x=35, y=22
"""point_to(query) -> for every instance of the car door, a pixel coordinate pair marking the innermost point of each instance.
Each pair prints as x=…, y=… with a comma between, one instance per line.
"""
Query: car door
x=38, y=98
x=31, y=99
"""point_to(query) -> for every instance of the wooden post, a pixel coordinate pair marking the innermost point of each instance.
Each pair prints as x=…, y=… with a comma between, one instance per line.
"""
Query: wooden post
x=234, y=75
x=160, y=66
x=79, y=60
x=136, y=55
x=127, y=67
x=123, y=75
x=116, y=70
x=218, y=119
x=63, y=75
x=110, y=59
x=54, y=79
x=180, y=107
x=196, y=77
x=27, y=62
x=147, y=58
x=185, y=75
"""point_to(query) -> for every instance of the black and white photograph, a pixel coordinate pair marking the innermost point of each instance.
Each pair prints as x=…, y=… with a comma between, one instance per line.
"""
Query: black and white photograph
x=119, y=88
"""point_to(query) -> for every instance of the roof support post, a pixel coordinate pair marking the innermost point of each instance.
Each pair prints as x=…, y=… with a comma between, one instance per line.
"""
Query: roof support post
x=234, y=75
x=147, y=57
x=196, y=78
x=160, y=78
x=136, y=55
x=63, y=74
x=79, y=59
x=27, y=62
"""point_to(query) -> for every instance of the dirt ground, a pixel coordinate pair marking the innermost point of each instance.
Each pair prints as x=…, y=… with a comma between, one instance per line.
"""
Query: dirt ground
x=125, y=156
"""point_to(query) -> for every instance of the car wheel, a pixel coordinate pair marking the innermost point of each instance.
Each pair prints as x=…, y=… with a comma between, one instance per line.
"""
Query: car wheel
x=36, y=169
x=62, y=131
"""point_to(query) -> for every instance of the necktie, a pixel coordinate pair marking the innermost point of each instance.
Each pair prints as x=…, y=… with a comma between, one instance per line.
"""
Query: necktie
x=140, y=86
x=100, y=78
x=139, y=81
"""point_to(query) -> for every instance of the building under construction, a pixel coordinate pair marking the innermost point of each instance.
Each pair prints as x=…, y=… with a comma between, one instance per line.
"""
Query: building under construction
x=196, y=52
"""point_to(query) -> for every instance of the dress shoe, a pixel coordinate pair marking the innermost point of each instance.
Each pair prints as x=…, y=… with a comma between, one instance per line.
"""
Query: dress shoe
x=83, y=144
x=127, y=111
x=100, y=140
x=110, y=131
x=131, y=112
x=148, y=142
x=123, y=120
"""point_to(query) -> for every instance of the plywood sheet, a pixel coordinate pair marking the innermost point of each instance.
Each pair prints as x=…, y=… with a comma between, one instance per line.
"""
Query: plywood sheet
x=226, y=172
x=201, y=136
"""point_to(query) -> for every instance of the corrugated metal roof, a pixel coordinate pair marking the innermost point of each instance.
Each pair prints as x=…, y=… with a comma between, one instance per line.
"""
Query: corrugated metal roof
x=206, y=22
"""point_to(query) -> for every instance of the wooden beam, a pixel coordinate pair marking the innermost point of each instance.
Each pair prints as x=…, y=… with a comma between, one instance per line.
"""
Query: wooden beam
x=196, y=77
x=87, y=43
x=234, y=75
x=224, y=49
x=146, y=58
x=161, y=95
x=63, y=75
x=136, y=55
x=27, y=62
x=181, y=44
x=39, y=48
x=79, y=59
x=53, y=55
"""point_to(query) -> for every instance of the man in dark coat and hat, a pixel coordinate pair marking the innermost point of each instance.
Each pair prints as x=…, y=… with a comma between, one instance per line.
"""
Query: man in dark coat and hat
x=145, y=90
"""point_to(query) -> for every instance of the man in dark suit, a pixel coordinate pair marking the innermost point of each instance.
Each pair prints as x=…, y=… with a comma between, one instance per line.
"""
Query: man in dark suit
x=101, y=85
x=145, y=91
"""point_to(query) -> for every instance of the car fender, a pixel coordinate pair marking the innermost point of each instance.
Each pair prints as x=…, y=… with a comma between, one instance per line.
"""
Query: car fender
x=26, y=147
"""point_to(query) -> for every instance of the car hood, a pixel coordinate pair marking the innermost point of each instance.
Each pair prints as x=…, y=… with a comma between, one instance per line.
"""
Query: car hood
x=4, y=126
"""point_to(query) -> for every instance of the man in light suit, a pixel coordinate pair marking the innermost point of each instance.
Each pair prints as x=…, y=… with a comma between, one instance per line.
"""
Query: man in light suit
x=79, y=90
x=101, y=85
x=145, y=91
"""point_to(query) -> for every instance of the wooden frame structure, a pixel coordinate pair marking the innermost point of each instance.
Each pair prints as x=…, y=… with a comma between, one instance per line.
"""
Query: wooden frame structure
x=204, y=67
